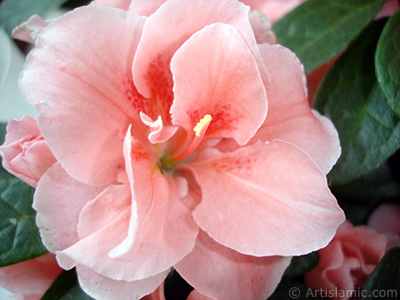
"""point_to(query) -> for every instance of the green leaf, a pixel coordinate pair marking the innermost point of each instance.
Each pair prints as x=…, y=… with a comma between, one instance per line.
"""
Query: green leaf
x=318, y=30
x=387, y=62
x=2, y=132
x=302, y=264
x=16, y=12
x=350, y=96
x=20, y=239
x=380, y=183
x=384, y=281
x=66, y=287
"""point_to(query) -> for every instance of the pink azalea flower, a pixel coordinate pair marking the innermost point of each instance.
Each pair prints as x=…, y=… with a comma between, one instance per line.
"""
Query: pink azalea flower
x=25, y=153
x=30, y=279
x=180, y=142
x=347, y=261
x=386, y=219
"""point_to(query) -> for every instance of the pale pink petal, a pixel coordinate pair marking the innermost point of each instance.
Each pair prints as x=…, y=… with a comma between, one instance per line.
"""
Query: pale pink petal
x=29, y=30
x=158, y=132
x=102, y=287
x=225, y=84
x=166, y=30
x=158, y=294
x=101, y=211
x=289, y=116
x=196, y=295
x=234, y=275
x=25, y=153
x=145, y=7
x=33, y=276
x=273, y=9
x=122, y=4
x=266, y=199
x=126, y=244
x=81, y=73
x=386, y=218
x=56, y=218
x=262, y=28
x=166, y=231
x=103, y=224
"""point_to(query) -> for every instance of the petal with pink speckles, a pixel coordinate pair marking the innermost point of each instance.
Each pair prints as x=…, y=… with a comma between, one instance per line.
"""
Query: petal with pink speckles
x=266, y=199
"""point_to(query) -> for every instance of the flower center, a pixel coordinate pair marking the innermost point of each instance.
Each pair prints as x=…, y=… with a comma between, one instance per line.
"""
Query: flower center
x=199, y=130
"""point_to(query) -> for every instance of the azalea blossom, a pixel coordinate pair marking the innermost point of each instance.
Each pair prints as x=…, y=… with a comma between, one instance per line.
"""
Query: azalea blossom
x=30, y=279
x=347, y=261
x=25, y=153
x=386, y=219
x=180, y=142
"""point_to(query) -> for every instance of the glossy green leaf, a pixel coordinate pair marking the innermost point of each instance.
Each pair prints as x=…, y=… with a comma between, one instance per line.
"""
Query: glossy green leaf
x=350, y=96
x=300, y=265
x=16, y=12
x=318, y=30
x=380, y=183
x=387, y=63
x=66, y=287
x=20, y=239
x=384, y=281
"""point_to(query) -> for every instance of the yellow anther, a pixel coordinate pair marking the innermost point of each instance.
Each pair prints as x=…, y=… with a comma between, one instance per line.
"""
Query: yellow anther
x=201, y=124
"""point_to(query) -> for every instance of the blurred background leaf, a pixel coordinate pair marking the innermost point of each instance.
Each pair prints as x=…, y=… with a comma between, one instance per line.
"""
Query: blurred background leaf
x=66, y=287
x=16, y=12
x=318, y=30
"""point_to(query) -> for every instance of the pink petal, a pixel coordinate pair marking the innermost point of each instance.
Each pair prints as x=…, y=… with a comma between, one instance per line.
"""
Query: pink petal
x=262, y=28
x=145, y=7
x=166, y=231
x=31, y=276
x=56, y=218
x=158, y=132
x=25, y=153
x=225, y=84
x=234, y=275
x=386, y=218
x=103, y=224
x=29, y=31
x=166, y=30
x=289, y=116
x=273, y=9
x=195, y=295
x=81, y=73
x=266, y=199
x=102, y=287
x=122, y=4
x=158, y=294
